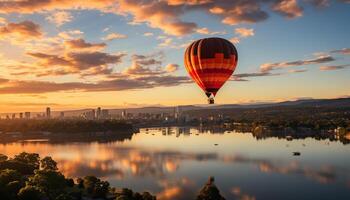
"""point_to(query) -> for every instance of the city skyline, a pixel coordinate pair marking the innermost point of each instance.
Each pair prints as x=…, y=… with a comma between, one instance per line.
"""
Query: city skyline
x=117, y=54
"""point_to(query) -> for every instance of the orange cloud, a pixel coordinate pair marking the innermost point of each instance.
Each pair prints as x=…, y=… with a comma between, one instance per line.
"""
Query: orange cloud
x=345, y=51
x=60, y=17
x=288, y=8
x=158, y=14
x=172, y=67
x=32, y=6
x=23, y=30
x=333, y=67
x=244, y=32
x=82, y=44
x=113, y=36
x=280, y=65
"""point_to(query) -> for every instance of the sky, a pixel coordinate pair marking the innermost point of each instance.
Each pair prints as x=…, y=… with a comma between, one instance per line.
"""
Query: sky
x=129, y=53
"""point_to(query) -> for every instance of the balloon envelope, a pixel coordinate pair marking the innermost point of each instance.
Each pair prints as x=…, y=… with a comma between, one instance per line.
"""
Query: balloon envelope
x=210, y=62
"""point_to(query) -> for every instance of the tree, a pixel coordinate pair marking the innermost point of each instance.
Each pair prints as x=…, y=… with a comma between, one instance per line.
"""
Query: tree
x=210, y=191
x=48, y=163
x=28, y=158
x=64, y=196
x=51, y=183
x=3, y=157
x=95, y=187
x=30, y=193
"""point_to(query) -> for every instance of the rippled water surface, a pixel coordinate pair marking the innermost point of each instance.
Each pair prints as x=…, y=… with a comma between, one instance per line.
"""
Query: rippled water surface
x=174, y=163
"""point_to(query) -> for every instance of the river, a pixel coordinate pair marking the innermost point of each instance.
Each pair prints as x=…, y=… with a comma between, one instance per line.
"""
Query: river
x=174, y=163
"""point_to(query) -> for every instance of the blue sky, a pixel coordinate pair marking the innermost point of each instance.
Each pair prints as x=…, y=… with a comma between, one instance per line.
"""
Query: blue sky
x=51, y=50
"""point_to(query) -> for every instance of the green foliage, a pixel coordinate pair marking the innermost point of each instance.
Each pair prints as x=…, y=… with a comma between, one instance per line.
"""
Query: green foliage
x=3, y=157
x=10, y=183
x=21, y=167
x=48, y=163
x=95, y=187
x=127, y=194
x=64, y=197
x=30, y=183
x=50, y=182
x=28, y=158
x=30, y=193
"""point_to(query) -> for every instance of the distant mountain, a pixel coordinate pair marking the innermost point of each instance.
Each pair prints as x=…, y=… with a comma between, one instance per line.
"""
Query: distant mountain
x=339, y=102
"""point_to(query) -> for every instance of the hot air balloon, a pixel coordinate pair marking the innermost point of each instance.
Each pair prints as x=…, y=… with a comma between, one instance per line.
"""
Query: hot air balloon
x=210, y=62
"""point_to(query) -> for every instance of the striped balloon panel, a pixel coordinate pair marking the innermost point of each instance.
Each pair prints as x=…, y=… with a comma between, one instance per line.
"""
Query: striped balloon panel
x=211, y=62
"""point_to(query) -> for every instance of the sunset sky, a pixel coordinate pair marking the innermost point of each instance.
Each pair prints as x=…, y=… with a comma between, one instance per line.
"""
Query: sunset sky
x=71, y=54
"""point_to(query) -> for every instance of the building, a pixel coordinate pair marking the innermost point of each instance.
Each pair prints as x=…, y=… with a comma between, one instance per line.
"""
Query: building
x=21, y=115
x=89, y=115
x=13, y=116
x=104, y=114
x=124, y=114
x=27, y=115
x=48, y=112
x=98, y=113
x=62, y=115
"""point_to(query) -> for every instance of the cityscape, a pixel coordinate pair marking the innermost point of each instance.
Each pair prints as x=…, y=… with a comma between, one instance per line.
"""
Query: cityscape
x=174, y=100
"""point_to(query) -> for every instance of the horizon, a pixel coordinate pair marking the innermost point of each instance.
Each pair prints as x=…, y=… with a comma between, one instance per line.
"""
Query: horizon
x=74, y=55
x=53, y=110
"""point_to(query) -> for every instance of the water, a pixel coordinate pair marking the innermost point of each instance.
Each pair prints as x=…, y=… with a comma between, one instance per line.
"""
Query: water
x=174, y=163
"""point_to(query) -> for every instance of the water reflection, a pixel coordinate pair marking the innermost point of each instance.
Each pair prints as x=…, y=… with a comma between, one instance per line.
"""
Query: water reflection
x=174, y=163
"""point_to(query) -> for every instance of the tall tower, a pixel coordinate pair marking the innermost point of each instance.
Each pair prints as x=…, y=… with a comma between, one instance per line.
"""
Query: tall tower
x=27, y=115
x=98, y=113
x=48, y=112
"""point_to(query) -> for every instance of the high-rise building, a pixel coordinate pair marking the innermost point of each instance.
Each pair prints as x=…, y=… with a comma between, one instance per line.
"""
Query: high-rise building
x=62, y=115
x=13, y=116
x=27, y=115
x=98, y=113
x=21, y=115
x=124, y=114
x=48, y=112
x=104, y=114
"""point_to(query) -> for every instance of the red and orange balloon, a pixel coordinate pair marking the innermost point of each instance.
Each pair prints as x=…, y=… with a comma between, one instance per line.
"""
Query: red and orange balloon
x=210, y=62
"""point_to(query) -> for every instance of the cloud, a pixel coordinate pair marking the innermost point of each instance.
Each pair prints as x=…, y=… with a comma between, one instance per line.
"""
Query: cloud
x=60, y=17
x=147, y=60
x=113, y=36
x=333, y=67
x=139, y=70
x=167, y=15
x=244, y=32
x=345, y=51
x=206, y=31
x=32, y=6
x=319, y=3
x=240, y=77
x=288, y=8
x=143, y=65
x=234, y=40
x=158, y=14
x=297, y=70
x=117, y=84
x=148, y=34
x=280, y=65
x=22, y=31
x=82, y=44
x=3, y=20
x=70, y=34
x=172, y=67
x=166, y=42
x=237, y=12
x=83, y=62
